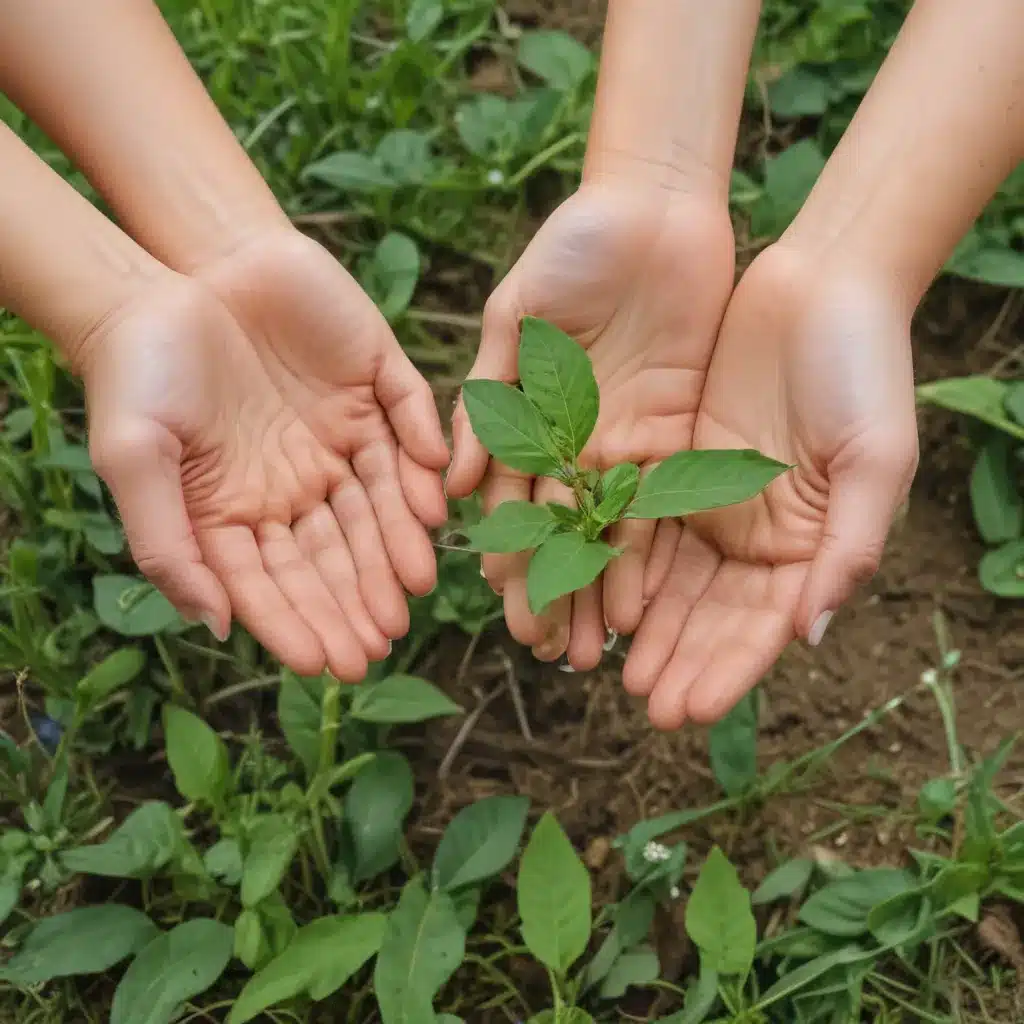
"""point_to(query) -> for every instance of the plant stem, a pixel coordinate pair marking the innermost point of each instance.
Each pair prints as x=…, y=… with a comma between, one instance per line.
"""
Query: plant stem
x=330, y=722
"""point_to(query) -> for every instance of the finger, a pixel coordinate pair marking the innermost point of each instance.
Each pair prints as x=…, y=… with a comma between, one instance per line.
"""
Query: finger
x=143, y=471
x=525, y=627
x=500, y=485
x=304, y=589
x=323, y=544
x=692, y=571
x=497, y=359
x=624, y=577
x=407, y=542
x=257, y=601
x=423, y=490
x=409, y=403
x=378, y=584
x=555, y=624
x=663, y=553
x=865, y=491
x=587, y=633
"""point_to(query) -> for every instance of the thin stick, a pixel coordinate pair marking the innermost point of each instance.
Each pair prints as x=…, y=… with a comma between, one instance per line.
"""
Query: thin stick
x=464, y=730
x=517, y=696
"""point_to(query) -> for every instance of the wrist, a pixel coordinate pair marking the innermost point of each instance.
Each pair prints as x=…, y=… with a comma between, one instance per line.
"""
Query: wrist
x=671, y=173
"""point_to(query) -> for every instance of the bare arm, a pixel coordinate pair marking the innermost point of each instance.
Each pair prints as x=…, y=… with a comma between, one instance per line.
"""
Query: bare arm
x=123, y=102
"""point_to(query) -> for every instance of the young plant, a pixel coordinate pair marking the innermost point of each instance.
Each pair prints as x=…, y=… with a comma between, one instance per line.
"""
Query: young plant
x=543, y=428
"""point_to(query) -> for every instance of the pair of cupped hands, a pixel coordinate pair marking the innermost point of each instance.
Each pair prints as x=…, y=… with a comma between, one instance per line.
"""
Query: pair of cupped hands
x=276, y=458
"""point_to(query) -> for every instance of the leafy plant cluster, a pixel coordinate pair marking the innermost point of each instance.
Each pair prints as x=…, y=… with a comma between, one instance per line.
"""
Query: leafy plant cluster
x=543, y=428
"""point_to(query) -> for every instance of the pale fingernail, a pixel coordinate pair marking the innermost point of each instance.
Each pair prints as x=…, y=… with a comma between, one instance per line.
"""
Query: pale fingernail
x=817, y=632
x=391, y=646
x=563, y=664
x=210, y=621
x=610, y=637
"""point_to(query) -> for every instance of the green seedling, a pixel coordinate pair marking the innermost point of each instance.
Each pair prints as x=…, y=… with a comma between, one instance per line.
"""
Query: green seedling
x=542, y=430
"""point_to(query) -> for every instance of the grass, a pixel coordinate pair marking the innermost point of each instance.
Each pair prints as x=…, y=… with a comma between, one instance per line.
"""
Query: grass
x=266, y=802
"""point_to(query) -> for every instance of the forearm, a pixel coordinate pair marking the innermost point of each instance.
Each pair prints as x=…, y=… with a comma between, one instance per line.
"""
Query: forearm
x=64, y=267
x=670, y=92
x=940, y=128
x=108, y=82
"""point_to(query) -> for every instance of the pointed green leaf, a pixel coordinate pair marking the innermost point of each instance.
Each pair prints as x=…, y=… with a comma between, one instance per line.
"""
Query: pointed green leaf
x=131, y=606
x=556, y=57
x=148, y=839
x=273, y=842
x=618, y=486
x=842, y=907
x=423, y=17
x=637, y=966
x=1001, y=571
x=732, y=744
x=509, y=426
x=376, y=806
x=719, y=918
x=689, y=482
x=997, y=504
x=981, y=397
x=197, y=756
x=1013, y=402
x=512, y=526
x=787, y=880
x=115, y=671
x=480, y=841
x=558, y=378
x=401, y=699
x=298, y=710
x=562, y=564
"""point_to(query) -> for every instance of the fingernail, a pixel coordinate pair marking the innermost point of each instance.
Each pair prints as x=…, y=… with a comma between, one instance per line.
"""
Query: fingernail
x=483, y=575
x=210, y=622
x=391, y=647
x=815, y=636
x=563, y=664
x=609, y=639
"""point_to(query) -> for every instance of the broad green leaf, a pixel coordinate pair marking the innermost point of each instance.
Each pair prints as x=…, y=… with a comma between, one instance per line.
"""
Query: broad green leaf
x=937, y=799
x=553, y=895
x=391, y=274
x=422, y=18
x=509, y=426
x=376, y=806
x=802, y=976
x=349, y=172
x=404, y=156
x=423, y=944
x=115, y=671
x=480, y=841
x=989, y=263
x=980, y=397
x=689, y=482
x=1002, y=571
x=556, y=57
x=251, y=946
x=298, y=710
x=786, y=881
x=88, y=940
x=798, y=93
x=899, y=919
x=10, y=893
x=788, y=180
x=562, y=564
x=719, y=918
x=197, y=755
x=841, y=908
x=148, y=840
x=223, y=861
x=558, y=378
x=131, y=606
x=957, y=881
x=512, y=526
x=533, y=112
x=272, y=844
x=484, y=123
x=401, y=699
x=701, y=997
x=1013, y=401
x=733, y=746
x=171, y=970
x=467, y=905
x=57, y=790
x=997, y=504
x=618, y=486
x=318, y=961
x=637, y=966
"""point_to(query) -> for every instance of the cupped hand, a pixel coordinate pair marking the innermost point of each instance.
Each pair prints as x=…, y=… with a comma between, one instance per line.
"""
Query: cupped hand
x=812, y=367
x=273, y=453
x=640, y=278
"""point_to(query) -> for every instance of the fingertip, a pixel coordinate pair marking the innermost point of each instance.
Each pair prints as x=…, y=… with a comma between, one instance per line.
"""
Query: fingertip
x=350, y=665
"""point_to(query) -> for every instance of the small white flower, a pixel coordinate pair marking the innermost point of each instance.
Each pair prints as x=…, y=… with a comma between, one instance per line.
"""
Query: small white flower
x=656, y=853
x=674, y=892
x=929, y=677
x=495, y=177
x=373, y=102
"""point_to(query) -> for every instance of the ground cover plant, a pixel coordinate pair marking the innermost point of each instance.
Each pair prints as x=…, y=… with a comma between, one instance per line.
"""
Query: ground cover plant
x=192, y=834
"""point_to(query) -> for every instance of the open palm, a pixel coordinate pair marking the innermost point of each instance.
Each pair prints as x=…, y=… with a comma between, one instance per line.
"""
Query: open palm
x=814, y=369
x=640, y=279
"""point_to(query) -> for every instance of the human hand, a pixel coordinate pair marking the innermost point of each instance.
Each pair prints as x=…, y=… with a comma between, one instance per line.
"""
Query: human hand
x=812, y=367
x=273, y=453
x=640, y=277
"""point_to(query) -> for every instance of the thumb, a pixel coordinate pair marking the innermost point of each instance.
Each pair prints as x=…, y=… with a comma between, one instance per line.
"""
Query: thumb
x=865, y=491
x=497, y=359
x=141, y=465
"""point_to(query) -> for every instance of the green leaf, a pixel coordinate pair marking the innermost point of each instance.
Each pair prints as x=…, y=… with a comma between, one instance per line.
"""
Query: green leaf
x=989, y=263
x=512, y=526
x=484, y=124
x=562, y=564
x=997, y=504
x=565, y=1015
x=842, y=907
x=376, y=806
x=88, y=940
x=148, y=840
x=10, y=893
x=701, y=997
x=557, y=58
x=733, y=746
x=115, y=671
x=251, y=946
x=197, y=755
x=802, y=976
x=223, y=861
x=349, y=172
x=787, y=881
x=480, y=841
x=390, y=276
x=798, y=93
x=131, y=607
x=272, y=844
x=321, y=958
x=404, y=156
x=171, y=970
x=422, y=946
x=509, y=426
x=1013, y=401
x=422, y=18
x=719, y=918
x=689, y=482
x=401, y=699
x=1001, y=572
x=555, y=928
x=558, y=378
x=618, y=486
x=937, y=799
x=637, y=966
x=788, y=180
x=899, y=919
x=980, y=397
x=298, y=710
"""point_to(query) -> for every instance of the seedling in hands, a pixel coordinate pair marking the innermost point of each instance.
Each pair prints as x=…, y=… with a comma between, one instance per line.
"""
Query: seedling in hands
x=542, y=429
